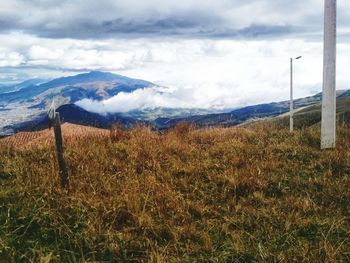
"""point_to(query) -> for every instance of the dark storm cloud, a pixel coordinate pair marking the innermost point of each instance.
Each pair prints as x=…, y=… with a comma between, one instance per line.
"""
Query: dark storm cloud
x=255, y=31
x=192, y=18
x=8, y=23
x=169, y=26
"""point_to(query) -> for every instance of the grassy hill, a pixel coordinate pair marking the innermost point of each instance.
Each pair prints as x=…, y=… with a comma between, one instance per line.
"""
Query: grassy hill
x=305, y=117
x=45, y=138
x=251, y=113
x=255, y=194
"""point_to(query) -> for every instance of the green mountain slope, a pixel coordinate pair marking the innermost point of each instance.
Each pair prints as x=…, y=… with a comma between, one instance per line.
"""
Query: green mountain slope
x=311, y=115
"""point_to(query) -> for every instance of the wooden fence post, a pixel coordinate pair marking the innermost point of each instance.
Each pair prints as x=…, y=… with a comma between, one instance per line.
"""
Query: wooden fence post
x=60, y=150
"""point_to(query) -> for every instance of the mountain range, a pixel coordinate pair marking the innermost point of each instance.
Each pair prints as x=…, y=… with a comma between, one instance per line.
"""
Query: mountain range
x=24, y=106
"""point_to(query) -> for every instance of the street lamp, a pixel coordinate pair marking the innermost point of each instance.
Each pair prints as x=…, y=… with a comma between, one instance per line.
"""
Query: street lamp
x=291, y=123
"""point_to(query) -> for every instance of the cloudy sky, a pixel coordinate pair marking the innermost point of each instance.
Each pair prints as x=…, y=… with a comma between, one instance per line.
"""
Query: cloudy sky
x=211, y=53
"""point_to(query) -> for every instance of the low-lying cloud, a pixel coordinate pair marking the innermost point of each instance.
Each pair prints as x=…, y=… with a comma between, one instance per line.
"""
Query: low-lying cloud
x=157, y=97
x=124, y=102
x=204, y=95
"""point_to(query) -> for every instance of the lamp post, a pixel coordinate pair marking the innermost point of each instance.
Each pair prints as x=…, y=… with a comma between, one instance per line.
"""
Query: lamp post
x=291, y=106
x=328, y=122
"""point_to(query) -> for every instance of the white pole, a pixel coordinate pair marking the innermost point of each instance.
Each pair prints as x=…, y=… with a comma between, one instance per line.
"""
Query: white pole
x=328, y=122
x=291, y=106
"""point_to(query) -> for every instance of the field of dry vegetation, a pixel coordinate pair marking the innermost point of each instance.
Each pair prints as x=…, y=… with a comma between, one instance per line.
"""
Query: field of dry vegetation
x=254, y=194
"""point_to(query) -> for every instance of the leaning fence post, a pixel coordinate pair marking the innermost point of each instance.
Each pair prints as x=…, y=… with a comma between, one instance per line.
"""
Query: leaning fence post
x=56, y=123
x=60, y=150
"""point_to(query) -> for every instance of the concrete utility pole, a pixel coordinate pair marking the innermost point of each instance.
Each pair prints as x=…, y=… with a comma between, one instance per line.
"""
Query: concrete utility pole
x=328, y=122
x=291, y=104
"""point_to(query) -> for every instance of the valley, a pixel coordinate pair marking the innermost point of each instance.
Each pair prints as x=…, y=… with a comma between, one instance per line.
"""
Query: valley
x=25, y=107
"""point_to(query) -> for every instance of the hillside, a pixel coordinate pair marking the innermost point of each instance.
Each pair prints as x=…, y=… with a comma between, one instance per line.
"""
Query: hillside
x=251, y=113
x=256, y=194
x=26, y=103
x=311, y=115
x=45, y=138
x=71, y=113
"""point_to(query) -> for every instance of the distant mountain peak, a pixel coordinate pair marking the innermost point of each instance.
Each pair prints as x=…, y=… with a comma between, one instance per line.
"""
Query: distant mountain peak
x=97, y=73
x=29, y=100
x=93, y=76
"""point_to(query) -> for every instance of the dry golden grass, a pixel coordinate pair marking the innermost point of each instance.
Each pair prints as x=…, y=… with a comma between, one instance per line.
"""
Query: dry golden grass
x=45, y=138
x=188, y=195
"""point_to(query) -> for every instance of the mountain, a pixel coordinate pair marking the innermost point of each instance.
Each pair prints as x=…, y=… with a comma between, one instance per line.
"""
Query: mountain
x=311, y=115
x=24, y=106
x=26, y=103
x=73, y=114
x=94, y=85
x=17, y=87
x=248, y=113
x=151, y=114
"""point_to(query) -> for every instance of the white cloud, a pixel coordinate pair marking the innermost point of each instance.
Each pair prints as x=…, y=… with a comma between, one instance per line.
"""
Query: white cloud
x=225, y=74
x=11, y=59
x=202, y=71
x=150, y=98
x=124, y=102
x=37, y=52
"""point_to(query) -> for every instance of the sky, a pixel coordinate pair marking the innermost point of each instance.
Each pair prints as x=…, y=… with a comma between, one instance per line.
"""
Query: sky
x=208, y=53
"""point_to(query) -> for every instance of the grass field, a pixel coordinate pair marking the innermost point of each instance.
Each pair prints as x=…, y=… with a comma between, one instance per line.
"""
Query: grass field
x=311, y=115
x=254, y=194
x=45, y=138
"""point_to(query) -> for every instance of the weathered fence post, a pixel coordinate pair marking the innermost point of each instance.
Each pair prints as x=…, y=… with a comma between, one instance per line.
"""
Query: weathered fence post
x=55, y=121
x=60, y=150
